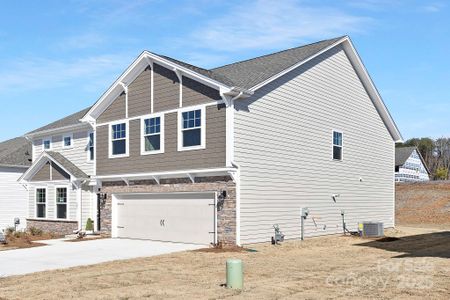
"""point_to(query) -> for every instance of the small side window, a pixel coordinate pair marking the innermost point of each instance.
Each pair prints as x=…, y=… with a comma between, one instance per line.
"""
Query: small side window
x=67, y=141
x=47, y=144
x=41, y=199
x=337, y=145
x=91, y=146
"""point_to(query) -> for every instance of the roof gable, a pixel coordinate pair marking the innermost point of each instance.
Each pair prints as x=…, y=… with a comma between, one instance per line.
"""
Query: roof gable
x=402, y=154
x=76, y=174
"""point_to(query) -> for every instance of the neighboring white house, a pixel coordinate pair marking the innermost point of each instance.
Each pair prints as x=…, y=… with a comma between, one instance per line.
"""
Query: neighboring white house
x=410, y=166
x=15, y=158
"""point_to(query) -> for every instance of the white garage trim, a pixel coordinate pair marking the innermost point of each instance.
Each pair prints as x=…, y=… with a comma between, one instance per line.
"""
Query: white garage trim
x=121, y=198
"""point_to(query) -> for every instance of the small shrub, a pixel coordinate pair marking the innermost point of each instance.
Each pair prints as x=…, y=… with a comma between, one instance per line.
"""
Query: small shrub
x=35, y=231
x=89, y=225
x=10, y=230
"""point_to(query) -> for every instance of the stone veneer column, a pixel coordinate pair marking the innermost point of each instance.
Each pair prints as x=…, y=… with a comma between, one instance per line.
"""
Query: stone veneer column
x=226, y=215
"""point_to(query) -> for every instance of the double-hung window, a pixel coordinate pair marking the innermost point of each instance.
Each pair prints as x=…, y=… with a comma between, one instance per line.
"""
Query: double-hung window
x=118, y=138
x=192, y=125
x=41, y=199
x=91, y=150
x=337, y=145
x=153, y=135
x=61, y=203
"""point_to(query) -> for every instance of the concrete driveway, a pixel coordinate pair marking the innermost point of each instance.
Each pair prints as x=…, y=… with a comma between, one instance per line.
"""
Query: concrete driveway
x=60, y=254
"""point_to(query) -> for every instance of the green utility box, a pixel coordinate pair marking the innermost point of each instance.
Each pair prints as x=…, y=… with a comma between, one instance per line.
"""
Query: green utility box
x=235, y=274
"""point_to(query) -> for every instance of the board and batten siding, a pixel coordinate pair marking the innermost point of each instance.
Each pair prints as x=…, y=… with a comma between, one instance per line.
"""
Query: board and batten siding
x=77, y=154
x=213, y=156
x=283, y=144
x=13, y=198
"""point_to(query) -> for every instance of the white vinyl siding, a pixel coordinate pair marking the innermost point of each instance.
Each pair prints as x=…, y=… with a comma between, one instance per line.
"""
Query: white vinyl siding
x=77, y=153
x=283, y=145
x=13, y=198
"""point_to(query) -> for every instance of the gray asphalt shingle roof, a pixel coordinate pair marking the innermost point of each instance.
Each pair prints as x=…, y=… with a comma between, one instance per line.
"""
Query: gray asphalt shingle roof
x=73, y=119
x=249, y=73
x=67, y=164
x=402, y=154
x=15, y=152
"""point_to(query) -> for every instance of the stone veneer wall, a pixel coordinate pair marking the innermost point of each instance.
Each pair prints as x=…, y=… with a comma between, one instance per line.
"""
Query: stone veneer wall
x=226, y=215
x=58, y=227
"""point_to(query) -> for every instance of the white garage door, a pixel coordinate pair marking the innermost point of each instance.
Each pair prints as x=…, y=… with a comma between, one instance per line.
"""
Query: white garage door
x=174, y=217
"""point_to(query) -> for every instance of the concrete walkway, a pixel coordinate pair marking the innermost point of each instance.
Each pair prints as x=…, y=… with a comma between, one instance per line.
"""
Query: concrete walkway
x=61, y=254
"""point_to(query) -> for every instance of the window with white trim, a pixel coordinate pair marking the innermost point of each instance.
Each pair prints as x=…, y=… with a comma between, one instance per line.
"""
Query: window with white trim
x=119, y=139
x=47, y=144
x=67, y=141
x=91, y=148
x=41, y=199
x=153, y=135
x=61, y=203
x=337, y=145
x=191, y=128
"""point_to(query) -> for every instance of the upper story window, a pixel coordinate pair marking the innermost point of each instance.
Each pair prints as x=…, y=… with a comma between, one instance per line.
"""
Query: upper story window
x=67, y=141
x=61, y=203
x=91, y=149
x=118, y=140
x=191, y=133
x=41, y=199
x=337, y=145
x=47, y=144
x=153, y=135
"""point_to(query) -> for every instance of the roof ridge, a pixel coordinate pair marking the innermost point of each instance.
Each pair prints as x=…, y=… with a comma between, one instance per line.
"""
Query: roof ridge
x=277, y=52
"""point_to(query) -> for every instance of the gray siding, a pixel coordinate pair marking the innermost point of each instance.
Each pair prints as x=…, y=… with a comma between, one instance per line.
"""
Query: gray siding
x=166, y=92
x=139, y=95
x=115, y=111
x=172, y=159
x=58, y=173
x=283, y=143
x=195, y=93
x=43, y=174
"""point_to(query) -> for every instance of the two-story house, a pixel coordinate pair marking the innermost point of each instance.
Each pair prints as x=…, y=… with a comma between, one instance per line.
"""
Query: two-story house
x=174, y=152
x=410, y=165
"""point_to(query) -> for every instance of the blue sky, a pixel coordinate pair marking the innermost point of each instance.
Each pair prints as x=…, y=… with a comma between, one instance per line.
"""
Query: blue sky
x=58, y=57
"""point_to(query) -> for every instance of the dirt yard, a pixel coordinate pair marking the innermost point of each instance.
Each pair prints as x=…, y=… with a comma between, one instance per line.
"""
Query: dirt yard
x=427, y=204
x=25, y=240
x=415, y=266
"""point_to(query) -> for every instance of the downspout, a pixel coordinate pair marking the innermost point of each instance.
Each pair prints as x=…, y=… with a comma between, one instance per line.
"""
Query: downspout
x=237, y=180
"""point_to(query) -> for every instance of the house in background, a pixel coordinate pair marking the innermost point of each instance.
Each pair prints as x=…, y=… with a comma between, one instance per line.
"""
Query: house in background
x=410, y=166
x=15, y=159
x=175, y=152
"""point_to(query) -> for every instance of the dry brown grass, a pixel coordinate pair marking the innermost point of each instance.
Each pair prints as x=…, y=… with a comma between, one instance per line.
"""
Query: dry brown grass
x=294, y=270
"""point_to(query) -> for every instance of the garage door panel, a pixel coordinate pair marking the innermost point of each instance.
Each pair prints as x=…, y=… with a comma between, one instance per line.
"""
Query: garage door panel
x=185, y=218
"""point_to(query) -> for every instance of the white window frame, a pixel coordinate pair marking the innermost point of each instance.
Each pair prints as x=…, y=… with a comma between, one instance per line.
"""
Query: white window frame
x=332, y=145
x=88, y=146
x=161, y=134
x=127, y=139
x=48, y=139
x=180, y=129
x=67, y=202
x=36, y=203
x=70, y=135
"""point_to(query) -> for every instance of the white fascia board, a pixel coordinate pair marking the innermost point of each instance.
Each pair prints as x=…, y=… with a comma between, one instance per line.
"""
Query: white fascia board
x=139, y=64
x=364, y=77
x=167, y=174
